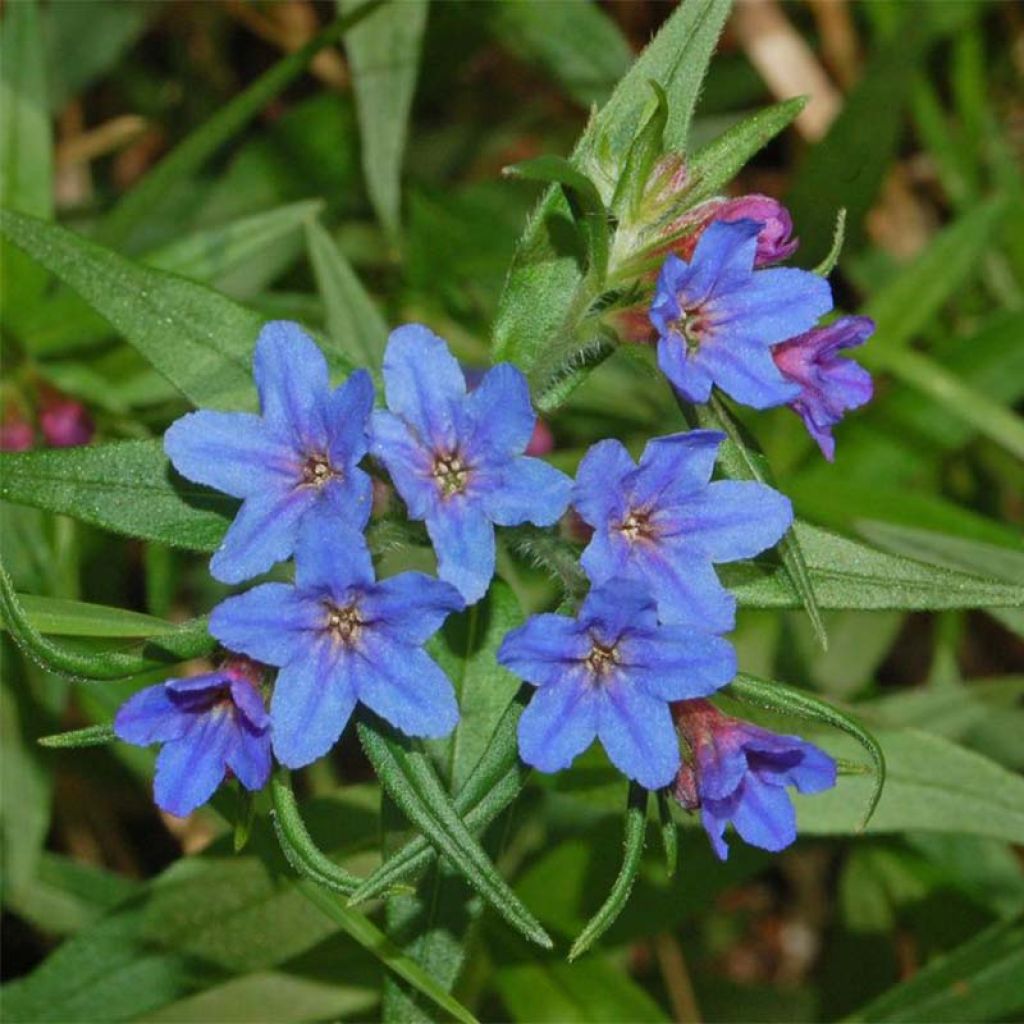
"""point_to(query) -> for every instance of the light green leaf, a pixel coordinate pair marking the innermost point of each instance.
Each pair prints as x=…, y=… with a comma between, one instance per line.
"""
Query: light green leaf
x=90, y=736
x=574, y=42
x=354, y=324
x=977, y=981
x=128, y=487
x=384, y=53
x=59, y=616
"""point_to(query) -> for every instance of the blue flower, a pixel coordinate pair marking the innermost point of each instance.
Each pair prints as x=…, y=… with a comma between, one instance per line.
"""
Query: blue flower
x=298, y=456
x=829, y=384
x=610, y=674
x=340, y=638
x=457, y=459
x=717, y=317
x=207, y=725
x=739, y=774
x=662, y=523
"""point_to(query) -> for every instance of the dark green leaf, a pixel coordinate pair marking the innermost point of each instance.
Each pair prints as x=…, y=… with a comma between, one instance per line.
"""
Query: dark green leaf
x=60, y=617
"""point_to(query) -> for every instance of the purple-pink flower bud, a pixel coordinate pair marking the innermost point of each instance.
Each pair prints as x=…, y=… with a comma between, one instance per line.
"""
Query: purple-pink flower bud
x=774, y=241
x=65, y=423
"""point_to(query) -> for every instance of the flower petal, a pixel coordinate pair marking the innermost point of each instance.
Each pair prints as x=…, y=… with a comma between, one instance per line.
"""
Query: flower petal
x=407, y=688
x=637, y=732
x=150, y=716
x=313, y=700
x=249, y=702
x=500, y=412
x=764, y=815
x=559, y=723
x=348, y=421
x=600, y=480
x=271, y=623
x=189, y=769
x=544, y=648
x=408, y=462
x=463, y=538
x=331, y=558
x=685, y=585
x=773, y=305
x=423, y=383
x=292, y=380
x=233, y=452
x=410, y=607
x=527, y=490
x=725, y=253
x=687, y=373
x=676, y=466
x=606, y=556
x=746, y=371
x=617, y=607
x=263, y=533
x=734, y=519
x=678, y=662
x=248, y=756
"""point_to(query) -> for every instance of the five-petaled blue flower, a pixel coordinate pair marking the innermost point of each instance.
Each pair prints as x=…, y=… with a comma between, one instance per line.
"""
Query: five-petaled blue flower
x=717, y=317
x=739, y=774
x=610, y=674
x=207, y=724
x=457, y=459
x=300, y=455
x=829, y=384
x=664, y=524
x=339, y=637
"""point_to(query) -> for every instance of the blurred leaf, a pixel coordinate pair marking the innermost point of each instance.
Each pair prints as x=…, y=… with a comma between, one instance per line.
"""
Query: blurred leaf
x=544, y=277
x=575, y=42
x=90, y=736
x=128, y=487
x=26, y=145
x=61, y=617
x=354, y=323
x=969, y=794
x=384, y=54
x=977, y=981
x=847, y=574
x=185, y=159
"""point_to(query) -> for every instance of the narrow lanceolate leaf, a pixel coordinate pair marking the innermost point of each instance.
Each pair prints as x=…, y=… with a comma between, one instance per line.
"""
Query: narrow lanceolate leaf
x=297, y=844
x=543, y=283
x=410, y=779
x=717, y=163
x=633, y=848
x=978, y=981
x=828, y=264
x=786, y=700
x=740, y=460
x=128, y=487
x=26, y=145
x=90, y=736
x=850, y=575
x=190, y=640
x=494, y=783
x=669, y=833
x=60, y=616
x=643, y=154
x=371, y=938
x=198, y=339
x=183, y=161
x=384, y=53
x=354, y=324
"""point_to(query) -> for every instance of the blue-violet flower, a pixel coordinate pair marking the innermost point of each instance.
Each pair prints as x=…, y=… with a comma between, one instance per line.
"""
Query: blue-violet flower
x=739, y=773
x=457, y=459
x=717, y=317
x=829, y=384
x=297, y=457
x=208, y=724
x=610, y=673
x=340, y=638
x=664, y=523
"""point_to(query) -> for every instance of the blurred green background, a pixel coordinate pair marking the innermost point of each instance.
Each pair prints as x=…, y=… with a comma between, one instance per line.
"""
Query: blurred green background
x=916, y=127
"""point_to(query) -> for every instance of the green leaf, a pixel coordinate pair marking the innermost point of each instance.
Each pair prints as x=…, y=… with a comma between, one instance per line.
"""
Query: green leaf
x=669, y=833
x=643, y=155
x=932, y=785
x=828, y=264
x=90, y=736
x=59, y=616
x=977, y=981
x=740, y=459
x=26, y=146
x=577, y=44
x=410, y=779
x=544, y=279
x=589, y=213
x=128, y=487
x=354, y=323
x=186, y=158
x=784, y=699
x=199, y=340
x=633, y=848
x=847, y=574
x=714, y=165
x=384, y=54
x=190, y=640
x=297, y=844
